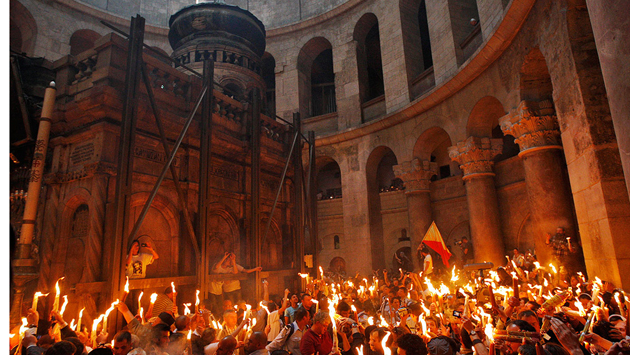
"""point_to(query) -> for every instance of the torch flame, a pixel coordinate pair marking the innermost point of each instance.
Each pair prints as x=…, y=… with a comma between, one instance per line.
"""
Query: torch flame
x=454, y=276
x=173, y=286
x=371, y=320
x=23, y=327
x=189, y=335
x=111, y=308
x=65, y=303
x=423, y=323
x=383, y=322
x=96, y=322
x=553, y=268
x=186, y=309
x=321, y=271
x=386, y=350
x=360, y=350
x=302, y=275
x=153, y=297
x=127, y=285
x=353, y=308
x=72, y=325
x=57, y=285
x=489, y=332
x=537, y=264
x=580, y=308
x=197, y=298
x=264, y=307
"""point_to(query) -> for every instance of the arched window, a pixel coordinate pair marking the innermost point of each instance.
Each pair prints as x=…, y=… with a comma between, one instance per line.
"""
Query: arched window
x=336, y=239
x=23, y=29
x=370, y=67
x=418, y=58
x=328, y=179
x=316, y=78
x=466, y=28
x=323, y=99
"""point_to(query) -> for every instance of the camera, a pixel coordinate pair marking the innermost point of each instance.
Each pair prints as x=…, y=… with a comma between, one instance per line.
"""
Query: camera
x=403, y=311
x=456, y=314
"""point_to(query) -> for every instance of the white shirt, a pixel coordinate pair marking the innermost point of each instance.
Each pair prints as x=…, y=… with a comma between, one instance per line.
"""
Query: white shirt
x=273, y=320
x=428, y=265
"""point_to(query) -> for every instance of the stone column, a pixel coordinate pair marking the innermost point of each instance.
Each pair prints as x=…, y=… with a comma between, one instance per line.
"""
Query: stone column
x=474, y=156
x=417, y=176
x=611, y=29
x=535, y=127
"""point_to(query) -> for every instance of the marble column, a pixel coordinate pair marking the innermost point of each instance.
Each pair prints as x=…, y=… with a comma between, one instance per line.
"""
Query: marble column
x=474, y=156
x=535, y=128
x=417, y=176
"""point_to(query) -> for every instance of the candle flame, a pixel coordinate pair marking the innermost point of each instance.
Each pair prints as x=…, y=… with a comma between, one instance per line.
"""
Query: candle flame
x=353, y=308
x=454, y=276
x=264, y=307
x=173, y=287
x=383, y=322
x=537, y=264
x=111, y=308
x=127, y=285
x=96, y=322
x=423, y=323
x=153, y=297
x=553, y=268
x=23, y=327
x=140, y=297
x=253, y=322
x=57, y=285
x=12, y=335
x=489, y=332
x=371, y=320
x=188, y=337
x=321, y=271
x=360, y=350
x=65, y=303
x=386, y=350
x=72, y=325
x=186, y=309
x=580, y=308
x=331, y=313
x=248, y=307
x=197, y=298
x=302, y=275
x=81, y=314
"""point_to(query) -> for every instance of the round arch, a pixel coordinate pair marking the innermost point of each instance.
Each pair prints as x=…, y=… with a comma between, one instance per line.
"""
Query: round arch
x=535, y=81
x=328, y=178
x=484, y=117
x=82, y=40
x=23, y=28
x=316, y=55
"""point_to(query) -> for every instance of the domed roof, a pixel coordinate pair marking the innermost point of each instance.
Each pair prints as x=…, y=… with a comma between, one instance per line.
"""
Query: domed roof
x=214, y=21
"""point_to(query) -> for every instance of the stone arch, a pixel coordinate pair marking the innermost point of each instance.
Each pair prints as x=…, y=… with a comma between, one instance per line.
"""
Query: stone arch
x=535, y=81
x=233, y=88
x=483, y=121
x=337, y=265
x=268, y=64
x=328, y=178
x=404, y=261
x=224, y=233
x=270, y=245
x=23, y=28
x=79, y=264
x=162, y=225
x=374, y=175
x=315, y=55
x=369, y=61
x=418, y=58
x=432, y=145
x=82, y=40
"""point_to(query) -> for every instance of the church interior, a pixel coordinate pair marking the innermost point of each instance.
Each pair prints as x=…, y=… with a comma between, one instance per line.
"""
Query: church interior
x=297, y=136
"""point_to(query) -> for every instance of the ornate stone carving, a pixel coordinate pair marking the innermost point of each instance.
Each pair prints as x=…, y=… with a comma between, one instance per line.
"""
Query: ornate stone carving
x=475, y=155
x=416, y=174
x=533, y=125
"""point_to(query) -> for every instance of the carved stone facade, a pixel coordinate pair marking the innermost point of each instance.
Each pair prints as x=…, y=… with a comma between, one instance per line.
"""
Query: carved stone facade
x=416, y=174
x=533, y=125
x=475, y=155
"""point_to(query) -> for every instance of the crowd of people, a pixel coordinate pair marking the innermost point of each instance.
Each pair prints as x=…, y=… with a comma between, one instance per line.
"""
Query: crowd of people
x=520, y=307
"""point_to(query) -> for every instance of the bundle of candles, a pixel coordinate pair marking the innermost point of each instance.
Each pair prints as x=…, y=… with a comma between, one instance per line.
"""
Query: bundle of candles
x=540, y=285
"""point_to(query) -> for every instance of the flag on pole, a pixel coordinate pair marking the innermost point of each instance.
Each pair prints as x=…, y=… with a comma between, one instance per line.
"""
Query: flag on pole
x=433, y=239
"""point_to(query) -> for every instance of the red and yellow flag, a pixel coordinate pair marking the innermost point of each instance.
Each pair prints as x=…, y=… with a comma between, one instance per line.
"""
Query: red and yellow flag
x=433, y=239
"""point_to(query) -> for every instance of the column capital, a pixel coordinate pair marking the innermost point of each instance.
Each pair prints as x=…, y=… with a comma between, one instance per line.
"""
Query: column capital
x=475, y=155
x=416, y=174
x=534, y=126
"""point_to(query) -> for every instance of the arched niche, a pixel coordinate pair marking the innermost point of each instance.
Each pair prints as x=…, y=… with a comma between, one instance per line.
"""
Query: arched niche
x=161, y=225
x=22, y=29
x=432, y=145
x=369, y=60
x=484, y=122
x=269, y=76
x=379, y=170
x=271, y=253
x=223, y=234
x=82, y=40
x=316, y=78
x=416, y=45
x=535, y=81
x=337, y=265
x=328, y=178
